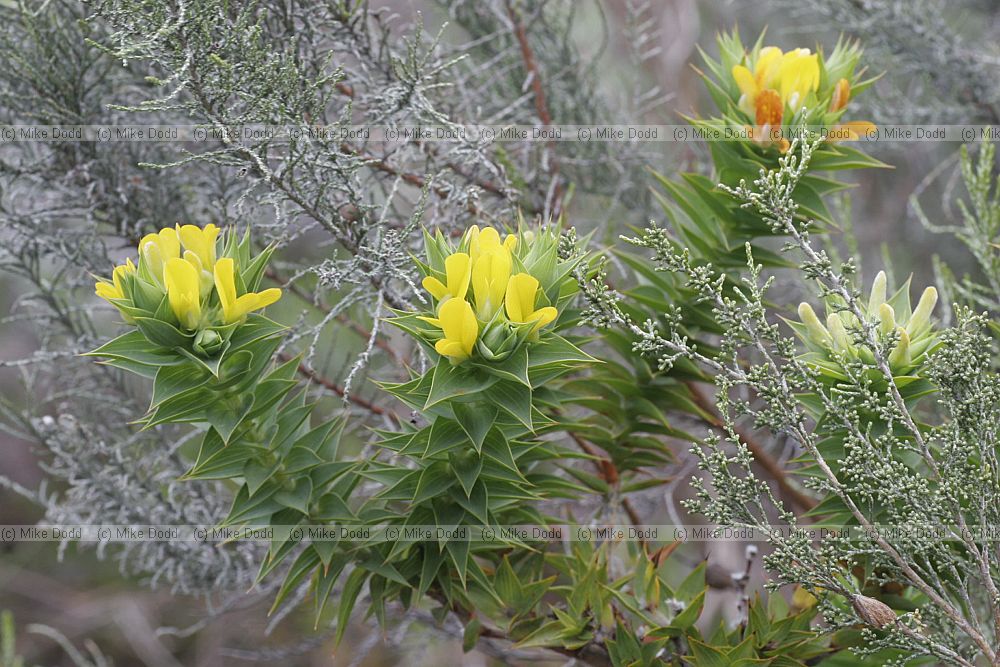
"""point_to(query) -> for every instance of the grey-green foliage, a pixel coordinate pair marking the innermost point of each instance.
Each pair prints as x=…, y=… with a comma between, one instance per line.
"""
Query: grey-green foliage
x=873, y=444
x=70, y=210
x=8, y=650
x=978, y=229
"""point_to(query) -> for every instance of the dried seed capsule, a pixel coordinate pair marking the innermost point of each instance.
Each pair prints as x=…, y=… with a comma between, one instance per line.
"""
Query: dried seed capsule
x=873, y=612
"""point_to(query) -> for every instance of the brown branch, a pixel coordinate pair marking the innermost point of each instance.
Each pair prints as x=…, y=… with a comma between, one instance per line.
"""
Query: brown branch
x=541, y=105
x=308, y=372
x=414, y=179
x=760, y=455
x=609, y=473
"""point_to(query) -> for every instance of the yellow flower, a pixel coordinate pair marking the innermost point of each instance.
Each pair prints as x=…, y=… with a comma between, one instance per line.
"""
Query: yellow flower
x=235, y=308
x=490, y=274
x=799, y=75
x=520, y=301
x=778, y=80
x=201, y=242
x=114, y=290
x=158, y=249
x=183, y=291
x=764, y=77
x=458, y=273
x=458, y=323
x=488, y=240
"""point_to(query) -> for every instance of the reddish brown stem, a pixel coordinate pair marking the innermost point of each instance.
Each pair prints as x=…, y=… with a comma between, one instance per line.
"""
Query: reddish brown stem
x=308, y=372
x=609, y=473
x=541, y=104
x=760, y=455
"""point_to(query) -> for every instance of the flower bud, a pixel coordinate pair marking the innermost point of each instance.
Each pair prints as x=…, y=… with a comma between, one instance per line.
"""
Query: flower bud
x=841, y=341
x=873, y=612
x=207, y=342
x=841, y=95
x=900, y=356
x=816, y=329
x=887, y=319
x=922, y=314
x=877, y=297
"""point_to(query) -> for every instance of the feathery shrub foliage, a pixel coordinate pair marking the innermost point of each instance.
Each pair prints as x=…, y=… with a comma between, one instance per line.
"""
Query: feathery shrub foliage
x=443, y=349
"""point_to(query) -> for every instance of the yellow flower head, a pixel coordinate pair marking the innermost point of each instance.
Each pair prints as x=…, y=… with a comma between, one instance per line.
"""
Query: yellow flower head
x=520, y=301
x=458, y=273
x=481, y=307
x=234, y=308
x=180, y=269
x=778, y=81
x=460, y=328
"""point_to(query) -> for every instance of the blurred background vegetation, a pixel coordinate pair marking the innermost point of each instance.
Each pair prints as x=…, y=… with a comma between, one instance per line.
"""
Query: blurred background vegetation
x=938, y=62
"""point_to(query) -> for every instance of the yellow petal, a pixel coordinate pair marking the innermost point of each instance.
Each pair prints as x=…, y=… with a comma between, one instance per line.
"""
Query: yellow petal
x=841, y=340
x=107, y=291
x=744, y=80
x=803, y=599
x=148, y=238
x=157, y=249
x=267, y=297
x=887, y=319
x=183, y=291
x=201, y=242
x=520, y=298
x=852, y=130
x=482, y=241
x=489, y=237
x=225, y=286
x=900, y=356
x=450, y=348
x=470, y=330
x=543, y=316
x=877, y=297
x=252, y=301
x=149, y=252
x=460, y=327
x=767, y=66
x=799, y=74
x=458, y=270
x=118, y=277
x=922, y=313
x=816, y=329
x=170, y=245
x=436, y=288
x=490, y=274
